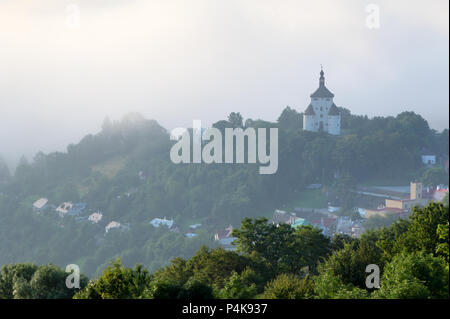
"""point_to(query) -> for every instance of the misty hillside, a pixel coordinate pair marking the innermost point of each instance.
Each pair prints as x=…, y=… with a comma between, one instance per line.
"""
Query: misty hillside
x=125, y=173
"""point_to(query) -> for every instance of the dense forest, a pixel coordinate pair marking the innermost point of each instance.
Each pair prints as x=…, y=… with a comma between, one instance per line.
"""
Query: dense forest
x=273, y=263
x=125, y=172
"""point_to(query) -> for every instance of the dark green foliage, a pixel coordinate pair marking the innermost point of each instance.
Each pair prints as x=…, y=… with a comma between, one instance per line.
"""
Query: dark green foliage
x=290, y=120
x=236, y=119
x=339, y=240
x=404, y=253
x=435, y=176
x=288, y=286
x=28, y=281
x=239, y=286
x=285, y=249
x=117, y=282
x=422, y=233
x=414, y=275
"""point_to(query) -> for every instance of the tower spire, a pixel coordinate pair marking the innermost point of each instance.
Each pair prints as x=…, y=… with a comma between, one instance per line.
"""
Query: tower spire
x=322, y=77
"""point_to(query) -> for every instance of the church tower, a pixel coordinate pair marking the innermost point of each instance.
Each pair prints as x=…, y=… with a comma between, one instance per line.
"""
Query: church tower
x=322, y=115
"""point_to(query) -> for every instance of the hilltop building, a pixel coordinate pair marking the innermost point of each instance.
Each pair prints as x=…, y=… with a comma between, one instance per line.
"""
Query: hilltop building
x=322, y=115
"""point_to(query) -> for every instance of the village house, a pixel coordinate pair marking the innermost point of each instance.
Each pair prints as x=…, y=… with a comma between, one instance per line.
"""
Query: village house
x=64, y=208
x=225, y=239
x=429, y=160
x=326, y=224
x=345, y=225
x=322, y=222
x=95, y=217
x=418, y=197
x=283, y=217
x=301, y=222
x=357, y=230
x=156, y=222
x=40, y=204
x=70, y=209
x=435, y=194
x=112, y=225
x=116, y=225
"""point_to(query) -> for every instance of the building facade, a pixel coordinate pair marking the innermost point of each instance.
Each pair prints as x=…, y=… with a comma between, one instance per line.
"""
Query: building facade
x=322, y=115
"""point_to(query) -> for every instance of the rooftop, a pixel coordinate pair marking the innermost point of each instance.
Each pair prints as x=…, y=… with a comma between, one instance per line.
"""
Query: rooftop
x=309, y=110
x=322, y=91
x=301, y=222
x=156, y=222
x=40, y=203
x=333, y=110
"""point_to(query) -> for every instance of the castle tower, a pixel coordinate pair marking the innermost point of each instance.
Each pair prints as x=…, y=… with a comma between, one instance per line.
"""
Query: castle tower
x=309, y=119
x=334, y=121
x=322, y=114
x=416, y=190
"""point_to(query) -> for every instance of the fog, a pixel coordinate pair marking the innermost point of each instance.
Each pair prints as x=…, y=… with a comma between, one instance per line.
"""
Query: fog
x=66, y=65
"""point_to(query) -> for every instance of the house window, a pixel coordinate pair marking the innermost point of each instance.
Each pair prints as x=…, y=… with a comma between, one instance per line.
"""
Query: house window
x=321, y=115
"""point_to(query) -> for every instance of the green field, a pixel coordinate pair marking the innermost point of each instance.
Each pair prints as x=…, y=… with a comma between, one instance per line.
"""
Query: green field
x=309, y=198
x=111, y=167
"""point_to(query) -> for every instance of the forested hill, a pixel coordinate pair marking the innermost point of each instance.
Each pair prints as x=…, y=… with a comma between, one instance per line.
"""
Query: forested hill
x=126, y=173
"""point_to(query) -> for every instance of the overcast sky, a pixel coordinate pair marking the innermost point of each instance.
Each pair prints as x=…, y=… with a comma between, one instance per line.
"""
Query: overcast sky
x=176, y=61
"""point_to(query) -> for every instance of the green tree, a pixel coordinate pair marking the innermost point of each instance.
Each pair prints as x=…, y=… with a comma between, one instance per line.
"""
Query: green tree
x=327, y=285
x=237, y=287
x=290, y=119
x=236, y=119
x=422, y=233
x=265, y=240
x=434, y=176
x=196, y=288
x=10, y=274
x=4, y=172
x=414, y=275
x=284, y=248
x=443, y=247
x=117, y=282
x=288, y=286
x=28, y=281
x=306, y=248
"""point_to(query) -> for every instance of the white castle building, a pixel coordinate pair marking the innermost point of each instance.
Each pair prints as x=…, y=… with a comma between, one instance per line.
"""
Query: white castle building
x=322, y=115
